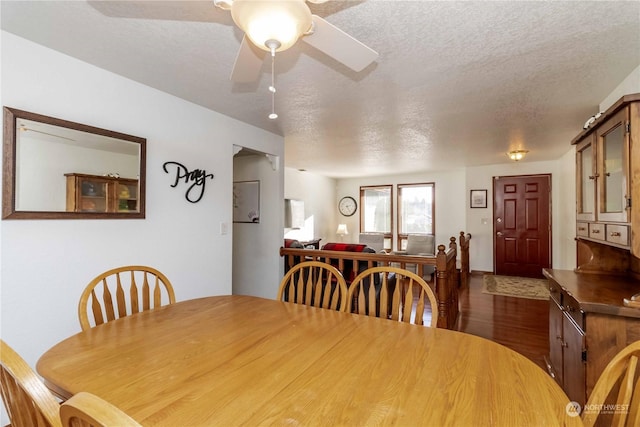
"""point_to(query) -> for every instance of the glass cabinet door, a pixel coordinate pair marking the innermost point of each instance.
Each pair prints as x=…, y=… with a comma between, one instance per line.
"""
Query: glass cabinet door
x=585, y=180
x=93, y=196
x=127, y=195
x=613, y=167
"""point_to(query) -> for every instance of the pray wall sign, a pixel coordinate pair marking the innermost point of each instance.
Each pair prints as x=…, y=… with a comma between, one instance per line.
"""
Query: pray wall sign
x=195, y=179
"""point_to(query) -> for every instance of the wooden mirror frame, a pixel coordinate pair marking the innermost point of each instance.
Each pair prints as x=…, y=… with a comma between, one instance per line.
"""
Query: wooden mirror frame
x=11, y=115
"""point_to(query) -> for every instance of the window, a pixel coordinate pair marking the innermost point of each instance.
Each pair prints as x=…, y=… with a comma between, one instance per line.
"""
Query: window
x=416, y=208
x=375, y=211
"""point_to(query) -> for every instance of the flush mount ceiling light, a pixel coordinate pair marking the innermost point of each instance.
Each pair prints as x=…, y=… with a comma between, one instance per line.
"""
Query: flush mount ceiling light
x=516, y=155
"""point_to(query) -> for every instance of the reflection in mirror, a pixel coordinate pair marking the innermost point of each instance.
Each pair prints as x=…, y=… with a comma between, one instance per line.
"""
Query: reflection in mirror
x=60, y=169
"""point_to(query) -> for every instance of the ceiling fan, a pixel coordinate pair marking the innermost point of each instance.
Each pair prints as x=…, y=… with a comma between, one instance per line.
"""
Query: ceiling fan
x=272, y=26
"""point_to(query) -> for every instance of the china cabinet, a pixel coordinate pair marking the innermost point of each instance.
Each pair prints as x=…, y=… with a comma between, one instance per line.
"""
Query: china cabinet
x=590, y=319
x=94, y=193
x=607, y=185
x=613, y=198
x=585, y=183
x=603, y=180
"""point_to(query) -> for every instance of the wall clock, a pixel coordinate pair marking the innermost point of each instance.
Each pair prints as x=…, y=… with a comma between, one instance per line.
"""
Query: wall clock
x=347, y=206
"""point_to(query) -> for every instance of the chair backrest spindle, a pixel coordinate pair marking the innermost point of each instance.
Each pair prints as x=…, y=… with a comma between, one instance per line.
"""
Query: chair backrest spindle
x=131, y=300
x=120, y=298
x=314, y=283
x=390, y=293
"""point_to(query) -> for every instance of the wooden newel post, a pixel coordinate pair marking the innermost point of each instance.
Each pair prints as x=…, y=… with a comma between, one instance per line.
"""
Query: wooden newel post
x=464, y=258
x=441, y=286
x=453, y=281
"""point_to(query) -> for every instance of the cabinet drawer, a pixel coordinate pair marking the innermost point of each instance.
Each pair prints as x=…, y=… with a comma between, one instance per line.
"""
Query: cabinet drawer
x=572, y=308
x=582, y=229
x=618, y=234
x=597, y=231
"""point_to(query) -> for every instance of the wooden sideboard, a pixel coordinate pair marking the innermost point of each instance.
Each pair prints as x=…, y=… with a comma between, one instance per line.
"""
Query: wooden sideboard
x=588, y=325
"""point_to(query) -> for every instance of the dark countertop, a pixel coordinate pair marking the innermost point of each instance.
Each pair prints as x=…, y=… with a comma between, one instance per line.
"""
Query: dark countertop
x=598, y=293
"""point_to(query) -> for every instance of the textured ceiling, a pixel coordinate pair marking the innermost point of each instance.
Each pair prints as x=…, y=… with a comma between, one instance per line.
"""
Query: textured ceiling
x=456, y=83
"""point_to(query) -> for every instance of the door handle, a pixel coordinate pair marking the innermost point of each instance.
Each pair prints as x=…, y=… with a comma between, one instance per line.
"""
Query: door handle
x=499, y=234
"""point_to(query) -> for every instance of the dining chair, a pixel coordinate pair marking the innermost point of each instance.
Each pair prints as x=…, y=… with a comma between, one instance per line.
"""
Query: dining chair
x=622, y=370
x=136, y=288
x=314, y=283
x=27, y=400
x=396, y=294
x=87, y=410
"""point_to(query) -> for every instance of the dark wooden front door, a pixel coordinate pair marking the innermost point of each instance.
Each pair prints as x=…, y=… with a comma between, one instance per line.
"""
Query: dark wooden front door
x=522, y=224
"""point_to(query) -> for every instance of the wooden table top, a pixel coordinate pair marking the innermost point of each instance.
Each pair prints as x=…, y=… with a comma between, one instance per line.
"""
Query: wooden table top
x=239, y=360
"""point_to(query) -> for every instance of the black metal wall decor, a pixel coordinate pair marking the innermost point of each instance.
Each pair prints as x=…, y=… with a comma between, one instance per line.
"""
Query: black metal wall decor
x=197, y=178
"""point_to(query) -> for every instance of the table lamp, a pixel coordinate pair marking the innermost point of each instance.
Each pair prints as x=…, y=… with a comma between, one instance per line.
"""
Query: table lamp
x=342, y=231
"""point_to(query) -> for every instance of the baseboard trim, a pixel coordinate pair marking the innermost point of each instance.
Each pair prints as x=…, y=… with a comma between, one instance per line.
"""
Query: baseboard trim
x=480, y=272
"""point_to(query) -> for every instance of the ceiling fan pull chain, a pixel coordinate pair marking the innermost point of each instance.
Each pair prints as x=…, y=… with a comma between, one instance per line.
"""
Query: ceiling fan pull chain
x=273, y=45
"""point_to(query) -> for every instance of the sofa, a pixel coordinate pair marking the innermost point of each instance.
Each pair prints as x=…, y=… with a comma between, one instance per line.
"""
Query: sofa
x=293, y=244
x=348, y=272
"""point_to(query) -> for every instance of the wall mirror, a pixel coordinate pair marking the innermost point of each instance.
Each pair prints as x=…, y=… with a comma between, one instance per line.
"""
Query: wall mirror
x=56, y=169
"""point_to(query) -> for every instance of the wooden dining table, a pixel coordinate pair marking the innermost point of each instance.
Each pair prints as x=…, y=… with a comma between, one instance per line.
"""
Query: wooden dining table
x=241, y=360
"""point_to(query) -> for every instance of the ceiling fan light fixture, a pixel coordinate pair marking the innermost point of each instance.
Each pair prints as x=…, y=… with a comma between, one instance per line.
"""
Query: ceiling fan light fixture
x=263, y=20
x=223, y=4
x=517, y=155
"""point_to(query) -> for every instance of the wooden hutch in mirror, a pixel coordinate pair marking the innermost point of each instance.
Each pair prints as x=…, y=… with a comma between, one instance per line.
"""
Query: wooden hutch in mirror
x=57, y=169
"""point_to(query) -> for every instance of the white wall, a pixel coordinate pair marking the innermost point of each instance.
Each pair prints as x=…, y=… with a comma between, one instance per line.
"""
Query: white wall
x=318, y=194
x=631, y=84
x=562, y=201
x=254, y=245
x=564, y=206
x=4, y=419
x=449, y=194
x=45, y=265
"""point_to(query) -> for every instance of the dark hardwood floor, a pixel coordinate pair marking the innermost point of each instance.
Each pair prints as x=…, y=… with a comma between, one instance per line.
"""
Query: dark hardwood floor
x=518, y=323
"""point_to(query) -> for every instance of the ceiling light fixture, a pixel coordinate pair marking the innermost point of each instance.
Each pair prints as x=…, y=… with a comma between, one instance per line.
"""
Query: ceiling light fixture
x=265, y=20
x=517, y=155
x=272, y=25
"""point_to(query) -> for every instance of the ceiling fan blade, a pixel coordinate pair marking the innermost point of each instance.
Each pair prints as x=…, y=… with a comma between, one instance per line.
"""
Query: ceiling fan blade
x=339, y=45
x=248, y=62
